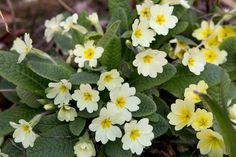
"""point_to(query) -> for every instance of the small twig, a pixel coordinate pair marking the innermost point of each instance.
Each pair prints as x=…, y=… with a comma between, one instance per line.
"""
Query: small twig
x=64, y=5
x=4, y=21
x=7, y=90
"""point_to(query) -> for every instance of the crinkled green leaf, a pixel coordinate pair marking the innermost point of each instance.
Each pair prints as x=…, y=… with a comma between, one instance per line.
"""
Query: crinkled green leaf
x=84, y=77
x=10, y=95
x=183, y=78
x=112, y=50
x=229, y=45
x=160, y=127
x=77, y=126
x=56, y=142
x=114, y=149
x=142, y=83
x=50, y=71
x=28, y=98
x=13, y=150
x=20, y=74
x=48, y=122
x=146, y=107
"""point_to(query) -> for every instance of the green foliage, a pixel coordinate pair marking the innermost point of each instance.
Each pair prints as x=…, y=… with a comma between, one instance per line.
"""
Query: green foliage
x=56, y=142
x=48, y=122
x=77, y=126
x=229, y=45
x=20, y=74
x=10, y=95
x=63, y=42
x=112, y=47
x=28, y=98
x=50, y=71
x=114, y=4
x=142, y=83
x=183, y=78
x=13, y=150
x=112, y=50
x=160, y=127
x=84, y=77
x=146, y=107
x=114, y=149
x=14, y=115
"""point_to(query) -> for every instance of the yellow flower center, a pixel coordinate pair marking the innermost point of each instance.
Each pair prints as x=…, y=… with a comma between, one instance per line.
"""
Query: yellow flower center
x=214, y=141
x=202, y=122
x=120, y=102
x=160, y=19
x=107, y=78
x=185, y=115
x=26, y=128
x=63, y=89
x=191, y=62
x=106, y=123
x=88, y=96
x=206, y=33
x=145, y=13
x=147, y=59
x=138, y=33
x=89, y=53
x=27, y=50
x=213, y=41
x=210, y=56
x=135, y=134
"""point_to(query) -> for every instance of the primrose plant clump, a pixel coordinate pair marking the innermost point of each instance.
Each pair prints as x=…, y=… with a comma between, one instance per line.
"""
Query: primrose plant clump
x=158, y=73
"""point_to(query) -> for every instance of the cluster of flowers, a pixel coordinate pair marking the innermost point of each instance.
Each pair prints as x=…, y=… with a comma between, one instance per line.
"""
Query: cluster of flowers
x=183, y=114
x=153, y=19
x=138, y=134
x=211, y=36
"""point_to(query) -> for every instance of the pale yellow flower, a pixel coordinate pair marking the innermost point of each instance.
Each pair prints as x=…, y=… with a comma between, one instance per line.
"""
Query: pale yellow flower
x=211, y=143
x=206, y=29
x=202, y=120
x=182, y=114
x=225, y=32
x=190, y=94
x=214, y=55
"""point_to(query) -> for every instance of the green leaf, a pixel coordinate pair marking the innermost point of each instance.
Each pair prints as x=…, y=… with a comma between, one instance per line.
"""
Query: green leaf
x=28, y=98
x=229, y=45
x=77, y=126
x=112, y=50
x=84, y=77
x=162, y=107
x=20, y=74
x=83, y=20
x=142, y=83
x=183, y=78
x=220, y=92
x=13, y=150
x=114, y=4
x=48, y=122
x=14, y=115
x=50, y=71
x=63, y=42
x=77, y=38
x=114, y=149
x=146, y=107
x=179, y=10
x=10, y=95
x=120, y=14
x=110, y=33
x=160, y=127
x=56, y=142
x=154, y=117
